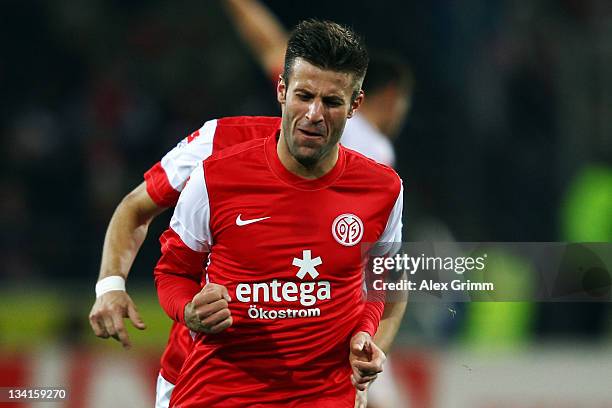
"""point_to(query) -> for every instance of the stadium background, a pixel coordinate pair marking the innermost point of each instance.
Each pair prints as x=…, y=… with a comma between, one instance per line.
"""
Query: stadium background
x=509, y=139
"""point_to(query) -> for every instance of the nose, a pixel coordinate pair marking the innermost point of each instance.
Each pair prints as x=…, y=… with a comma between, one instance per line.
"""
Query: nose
x=315, y=111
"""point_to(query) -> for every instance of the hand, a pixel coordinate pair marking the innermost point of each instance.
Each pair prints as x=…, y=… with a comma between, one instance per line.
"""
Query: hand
x=361, y=399
x=366, y=360
x=107, y=314
x=209, y=312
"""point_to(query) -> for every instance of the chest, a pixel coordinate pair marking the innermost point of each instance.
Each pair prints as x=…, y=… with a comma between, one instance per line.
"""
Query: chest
x=289, y=232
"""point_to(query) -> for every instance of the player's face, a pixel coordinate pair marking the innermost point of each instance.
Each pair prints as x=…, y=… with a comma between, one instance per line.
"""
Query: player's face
x=316, y=104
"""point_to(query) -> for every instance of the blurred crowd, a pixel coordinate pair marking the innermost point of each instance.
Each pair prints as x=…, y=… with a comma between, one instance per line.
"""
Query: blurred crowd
x=95, y=93
x=512, y=107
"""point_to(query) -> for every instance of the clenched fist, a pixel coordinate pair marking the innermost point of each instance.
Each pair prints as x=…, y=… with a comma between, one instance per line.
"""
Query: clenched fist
x=209, y=312
x=366, y=360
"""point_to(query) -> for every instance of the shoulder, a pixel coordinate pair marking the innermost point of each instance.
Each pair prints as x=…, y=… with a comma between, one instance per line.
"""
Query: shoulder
x=231, y=131
x=248, y=124
x=229, y=169
x=370, y=171
x=239, y=151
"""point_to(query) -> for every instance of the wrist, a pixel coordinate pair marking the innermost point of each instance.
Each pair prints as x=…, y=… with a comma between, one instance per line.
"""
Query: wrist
x=363, y=333
x=188, y=314
x=109, y=284
x=366, y=328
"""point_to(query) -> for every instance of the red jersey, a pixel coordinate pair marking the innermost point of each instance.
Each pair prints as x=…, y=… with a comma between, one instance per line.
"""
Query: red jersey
x=166, y=179
x=289, y=252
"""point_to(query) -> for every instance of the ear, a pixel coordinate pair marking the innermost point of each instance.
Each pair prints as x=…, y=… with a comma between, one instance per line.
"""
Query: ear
x=356, y=104
x=281, y=90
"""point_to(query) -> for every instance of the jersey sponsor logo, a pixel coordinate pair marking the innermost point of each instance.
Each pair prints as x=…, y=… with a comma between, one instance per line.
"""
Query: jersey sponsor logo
x=304, y=293
x=241, y=223
x=347, y=229
x=307, y=265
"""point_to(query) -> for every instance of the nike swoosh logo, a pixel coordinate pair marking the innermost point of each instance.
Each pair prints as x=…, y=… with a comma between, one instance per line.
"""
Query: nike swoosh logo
x=241, y=223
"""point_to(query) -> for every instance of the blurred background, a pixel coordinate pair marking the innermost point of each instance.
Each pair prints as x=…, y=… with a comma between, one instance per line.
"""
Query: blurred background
x=509, y=139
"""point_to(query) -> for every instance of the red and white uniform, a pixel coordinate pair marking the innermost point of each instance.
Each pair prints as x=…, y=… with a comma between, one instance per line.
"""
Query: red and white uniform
x=289, y=251
x=166, y=179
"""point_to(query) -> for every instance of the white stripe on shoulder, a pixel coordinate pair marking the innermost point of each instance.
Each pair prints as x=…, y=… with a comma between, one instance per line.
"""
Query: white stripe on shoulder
x=390, y=240
x=179, y=162
x=191, y=218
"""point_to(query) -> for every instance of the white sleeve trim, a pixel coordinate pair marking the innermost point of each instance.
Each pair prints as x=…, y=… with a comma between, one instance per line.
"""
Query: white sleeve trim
x=191, y=219
x=179, y=162
x=390, y=240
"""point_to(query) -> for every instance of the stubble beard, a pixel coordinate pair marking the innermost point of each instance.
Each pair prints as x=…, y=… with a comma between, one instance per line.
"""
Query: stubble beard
x=308, y=161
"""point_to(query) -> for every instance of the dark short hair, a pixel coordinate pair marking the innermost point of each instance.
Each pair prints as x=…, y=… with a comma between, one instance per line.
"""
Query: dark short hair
x=326, y=45
x=388, y=68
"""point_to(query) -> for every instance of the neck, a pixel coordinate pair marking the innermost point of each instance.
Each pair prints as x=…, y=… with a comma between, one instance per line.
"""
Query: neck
x=319, y=169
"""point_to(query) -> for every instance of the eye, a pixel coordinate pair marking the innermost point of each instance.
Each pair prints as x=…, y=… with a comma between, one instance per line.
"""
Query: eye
x=303, y=96
x=333, y=103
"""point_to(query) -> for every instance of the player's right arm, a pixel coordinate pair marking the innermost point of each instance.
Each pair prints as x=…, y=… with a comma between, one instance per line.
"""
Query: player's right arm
x=124, y=236
x=261, y=31
x=178, y=273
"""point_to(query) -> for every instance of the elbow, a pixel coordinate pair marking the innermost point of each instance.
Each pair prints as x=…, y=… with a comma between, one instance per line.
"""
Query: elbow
x=132, y=206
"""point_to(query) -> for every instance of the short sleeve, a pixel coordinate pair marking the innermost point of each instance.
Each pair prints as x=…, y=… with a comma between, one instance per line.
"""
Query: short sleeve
x=167, y=178
x=391, y=238
x=191, y=218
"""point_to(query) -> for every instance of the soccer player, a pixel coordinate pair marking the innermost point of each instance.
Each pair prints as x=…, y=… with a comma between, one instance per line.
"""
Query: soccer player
x=281, y=219
x=388, y=86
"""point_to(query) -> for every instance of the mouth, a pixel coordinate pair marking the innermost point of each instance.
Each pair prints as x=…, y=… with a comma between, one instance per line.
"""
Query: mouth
x=311, y=133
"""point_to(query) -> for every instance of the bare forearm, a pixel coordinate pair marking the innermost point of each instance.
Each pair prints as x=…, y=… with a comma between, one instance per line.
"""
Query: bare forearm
x=126, y=232
x=123, y=239
x=260, y=30
x=389, y=325
x=124, y=236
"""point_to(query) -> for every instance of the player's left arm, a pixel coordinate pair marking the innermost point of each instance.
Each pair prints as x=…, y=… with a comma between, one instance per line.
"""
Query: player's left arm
x=381, y=318
x=368, y=354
